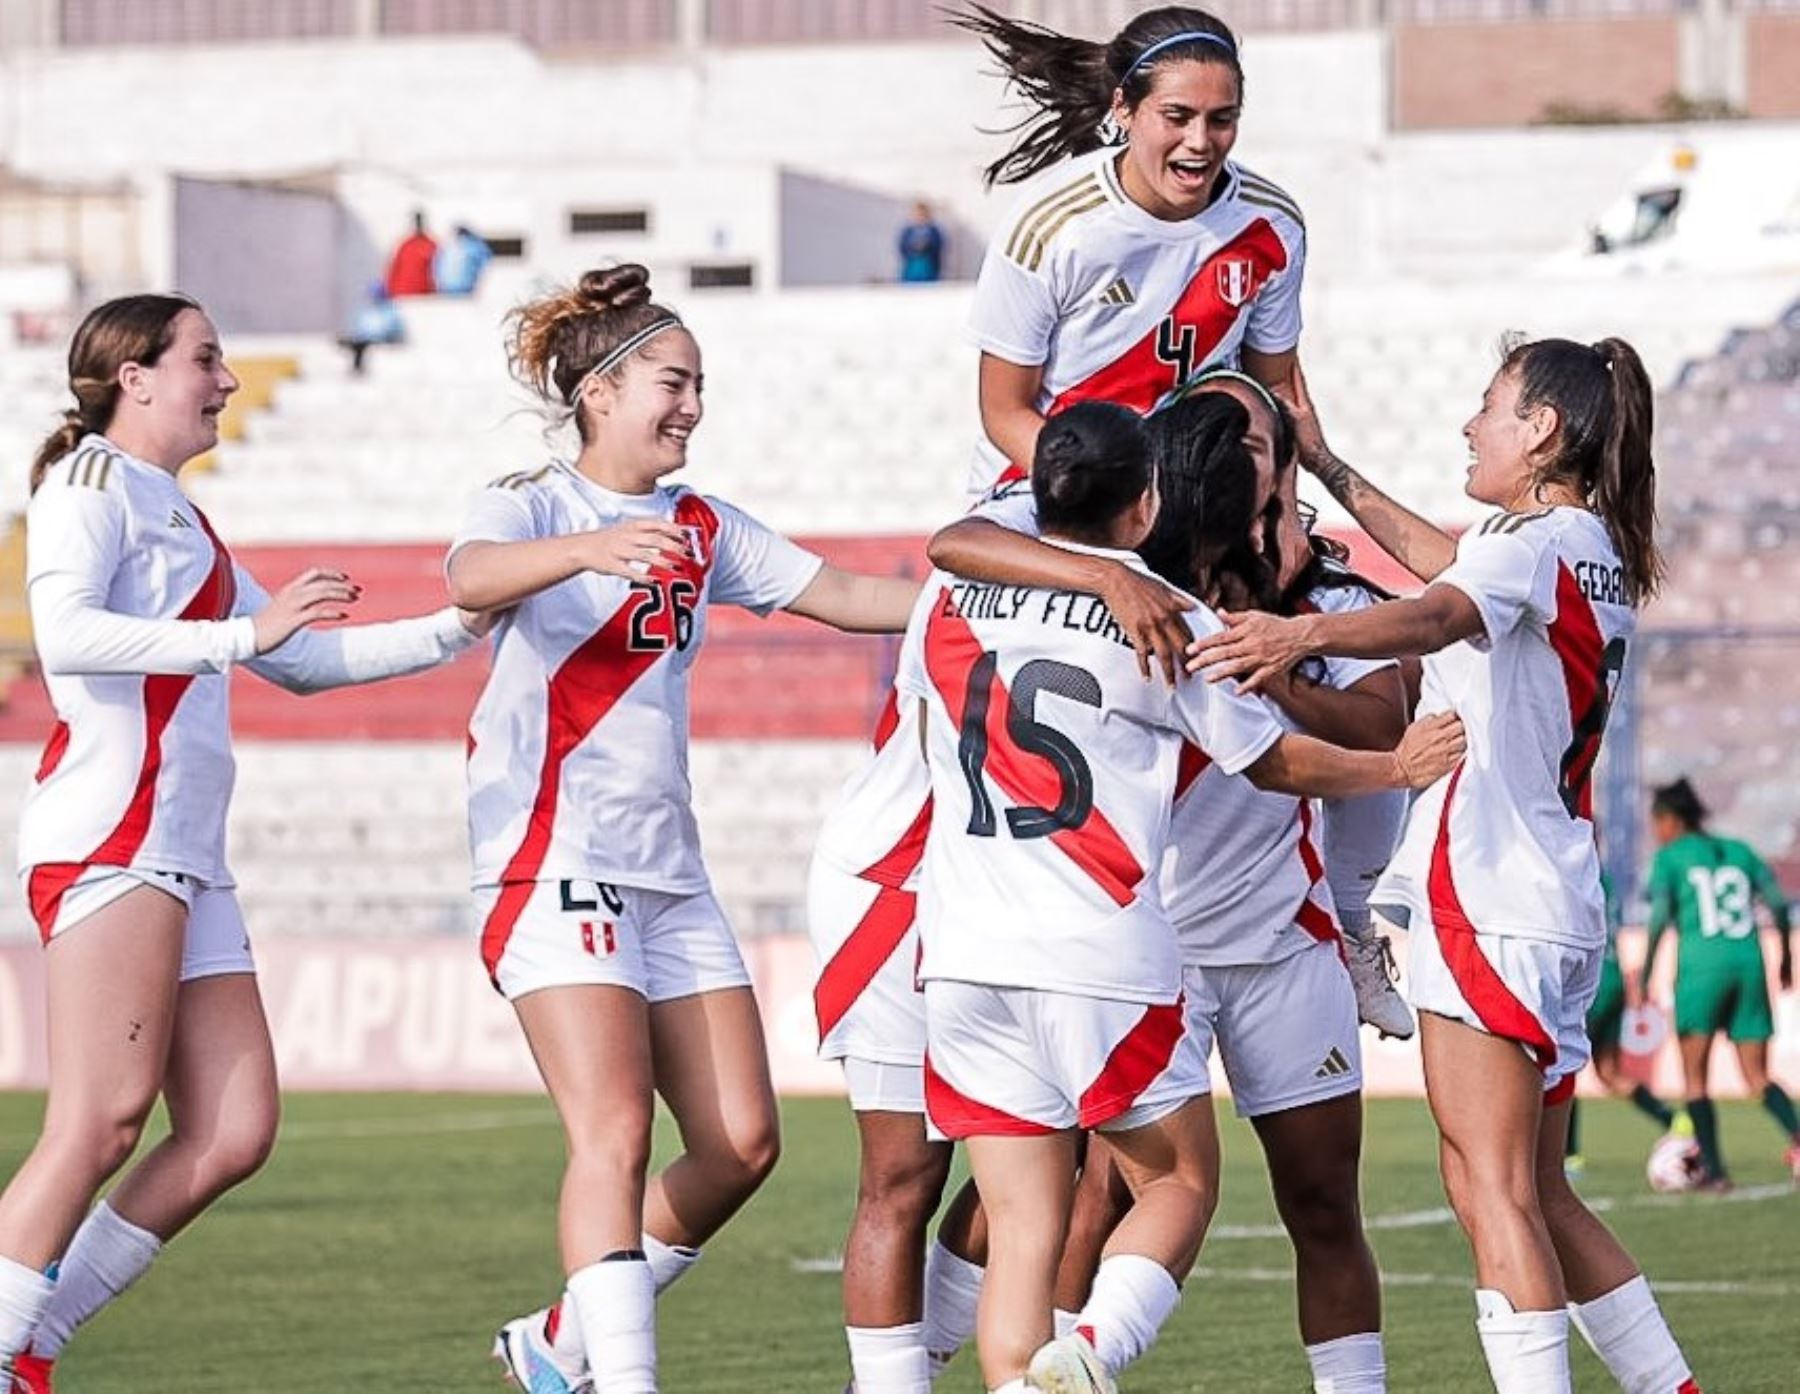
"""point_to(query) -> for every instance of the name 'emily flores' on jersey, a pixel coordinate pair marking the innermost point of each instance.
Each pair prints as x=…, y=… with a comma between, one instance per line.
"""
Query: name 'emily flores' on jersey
x=977, y=600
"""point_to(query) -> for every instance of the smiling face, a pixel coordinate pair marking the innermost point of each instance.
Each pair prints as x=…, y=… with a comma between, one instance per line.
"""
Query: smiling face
x=1179, y=136
x=168, y=411
x=639, y=426
x=1504, y=446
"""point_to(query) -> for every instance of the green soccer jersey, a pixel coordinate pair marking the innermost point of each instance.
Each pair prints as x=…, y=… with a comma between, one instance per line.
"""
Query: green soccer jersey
x=1707, y=887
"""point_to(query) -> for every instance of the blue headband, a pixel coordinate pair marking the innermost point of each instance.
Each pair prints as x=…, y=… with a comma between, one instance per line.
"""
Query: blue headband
x=1192, y=36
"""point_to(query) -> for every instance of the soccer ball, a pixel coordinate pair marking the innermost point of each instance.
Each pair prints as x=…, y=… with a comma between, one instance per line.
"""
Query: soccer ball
x=1675, y=1164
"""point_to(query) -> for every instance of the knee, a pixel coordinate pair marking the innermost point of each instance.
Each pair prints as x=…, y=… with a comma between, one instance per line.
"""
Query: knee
x=99, y=1139
x=741, y=1152
x=902, y=1193
x=240, y=1150
x=617, y=1147
x=1321, y=1213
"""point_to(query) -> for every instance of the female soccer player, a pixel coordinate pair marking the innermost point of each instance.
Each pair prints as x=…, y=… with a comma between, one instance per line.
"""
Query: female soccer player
x=139, y=614
x=1524, y=626
x=1707, y=887
x=1138, y=253
x=1051, y=970
x=600, y=925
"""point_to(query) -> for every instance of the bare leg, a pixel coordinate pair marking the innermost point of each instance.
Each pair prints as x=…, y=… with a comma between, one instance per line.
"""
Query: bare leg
x=1593, y=1262
x=1025, y=1185
x=1101, y=1200
x=902, y=1179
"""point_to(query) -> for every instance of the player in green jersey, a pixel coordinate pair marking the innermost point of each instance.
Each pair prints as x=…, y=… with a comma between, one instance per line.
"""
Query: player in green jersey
x=1707, y=887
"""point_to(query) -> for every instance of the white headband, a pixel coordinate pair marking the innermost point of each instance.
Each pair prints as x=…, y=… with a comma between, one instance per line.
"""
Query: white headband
x=622, y=352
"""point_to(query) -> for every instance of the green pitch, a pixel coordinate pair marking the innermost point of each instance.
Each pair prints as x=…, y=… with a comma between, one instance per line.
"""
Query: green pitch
x=391, y=1234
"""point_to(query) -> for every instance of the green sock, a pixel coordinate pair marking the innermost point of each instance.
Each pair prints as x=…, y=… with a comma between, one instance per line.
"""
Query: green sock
x=1572, y=1144
x=1646, y=1102
x=1775, y=1099
x=1706, y=1133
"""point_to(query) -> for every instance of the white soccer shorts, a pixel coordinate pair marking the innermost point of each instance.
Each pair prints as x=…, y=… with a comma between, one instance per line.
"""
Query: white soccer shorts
x=1021, y=1062
x=573, y=933
x=1532, y=991
x=866, y=1001
x=216, y=941
x=1287, y=1031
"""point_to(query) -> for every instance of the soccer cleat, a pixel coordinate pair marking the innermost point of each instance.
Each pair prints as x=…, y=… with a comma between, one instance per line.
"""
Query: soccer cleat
x=528, y=1361
x=31, y=1374
x=1068, y=1365
x=1372, y=975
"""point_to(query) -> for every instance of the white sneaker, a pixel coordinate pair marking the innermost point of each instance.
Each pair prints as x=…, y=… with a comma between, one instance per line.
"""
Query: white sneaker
x=1372, y=975
x=1068, y=1365
x=529, y=1361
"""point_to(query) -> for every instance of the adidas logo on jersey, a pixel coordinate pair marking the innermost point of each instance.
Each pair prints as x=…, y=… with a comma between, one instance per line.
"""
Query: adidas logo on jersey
x=1334, y=1065
x=1118, y=293
x=178, y=519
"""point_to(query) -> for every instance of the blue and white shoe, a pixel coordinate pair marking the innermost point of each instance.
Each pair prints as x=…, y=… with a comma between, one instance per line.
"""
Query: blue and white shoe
x=1068, y=1365
x=528, y=1360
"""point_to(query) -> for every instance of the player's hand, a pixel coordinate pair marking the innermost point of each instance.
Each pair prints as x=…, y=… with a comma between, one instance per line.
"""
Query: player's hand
x=315, y=596
x=479, y=623
x=632, y=549
x=1150, y=613
x=1430, y=749
x=1253, y=648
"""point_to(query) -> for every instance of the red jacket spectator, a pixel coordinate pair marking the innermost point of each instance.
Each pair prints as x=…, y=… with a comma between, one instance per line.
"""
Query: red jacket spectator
x=409, y=273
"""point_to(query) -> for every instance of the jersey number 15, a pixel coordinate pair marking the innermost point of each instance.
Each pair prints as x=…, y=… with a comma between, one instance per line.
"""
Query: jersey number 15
x=1025, y=735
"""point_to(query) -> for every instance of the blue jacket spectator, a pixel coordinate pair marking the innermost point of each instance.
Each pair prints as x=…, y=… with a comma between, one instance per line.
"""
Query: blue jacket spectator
x=459, y=262
x=921, y=247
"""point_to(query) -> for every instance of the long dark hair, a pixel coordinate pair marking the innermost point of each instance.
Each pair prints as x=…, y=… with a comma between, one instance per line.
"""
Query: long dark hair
x=1605, y=412
x=1680, y=802
x=1208, y=485
x=1092, y=462
x=1070, y=82
x=130, y=329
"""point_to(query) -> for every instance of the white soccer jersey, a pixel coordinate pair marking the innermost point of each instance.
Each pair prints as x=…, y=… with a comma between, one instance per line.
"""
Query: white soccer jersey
x=578, y=758
x=1053, y=766
x=139, y=613
x=1505, y=843
x=1120, y=306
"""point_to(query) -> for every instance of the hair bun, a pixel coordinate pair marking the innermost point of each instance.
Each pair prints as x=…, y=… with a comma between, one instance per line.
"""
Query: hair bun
x=615, y=288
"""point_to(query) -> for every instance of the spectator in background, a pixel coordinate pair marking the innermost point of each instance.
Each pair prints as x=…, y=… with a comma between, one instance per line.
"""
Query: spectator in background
x=458, y=265
x=377, y=322
x=921, y=246
x=409, y=273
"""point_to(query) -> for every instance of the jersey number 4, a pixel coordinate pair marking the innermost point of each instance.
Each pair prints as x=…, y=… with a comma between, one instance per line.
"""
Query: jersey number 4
x=1027, y=735
x=1584, y=748
x=1175, y=345
x=650, y=603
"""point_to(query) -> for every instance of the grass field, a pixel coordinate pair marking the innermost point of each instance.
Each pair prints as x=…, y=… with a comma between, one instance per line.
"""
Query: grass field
x=392, y=1233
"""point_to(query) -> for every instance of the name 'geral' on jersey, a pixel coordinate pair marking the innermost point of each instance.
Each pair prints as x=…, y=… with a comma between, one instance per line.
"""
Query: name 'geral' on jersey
x=1053, y=767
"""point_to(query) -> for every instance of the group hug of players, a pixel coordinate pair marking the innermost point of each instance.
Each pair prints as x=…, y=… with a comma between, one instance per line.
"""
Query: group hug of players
x=1142, y=776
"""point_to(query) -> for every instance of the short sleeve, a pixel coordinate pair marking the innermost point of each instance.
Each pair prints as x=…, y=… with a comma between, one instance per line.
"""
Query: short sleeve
x=754, y=566
x=1232, y=727
x=1502, y=566
x=1274, y=324
x=1014, y=315
x=1661, y=891
x=1012, y=506
x=498, y=514
x=910, y=678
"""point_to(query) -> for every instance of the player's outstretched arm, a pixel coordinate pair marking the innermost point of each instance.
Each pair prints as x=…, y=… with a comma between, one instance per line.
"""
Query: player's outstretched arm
x=1367, y=715
x=1149, y=612
x=1420, y=546
x=1297, y=764
x=857, y=603
x=494, y=575
x=1256, y=648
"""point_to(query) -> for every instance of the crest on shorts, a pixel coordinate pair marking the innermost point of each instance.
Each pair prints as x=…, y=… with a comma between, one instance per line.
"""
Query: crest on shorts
x=1236, y=279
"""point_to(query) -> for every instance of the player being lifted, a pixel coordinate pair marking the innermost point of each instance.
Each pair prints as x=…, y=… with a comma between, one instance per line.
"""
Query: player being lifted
x=1051, y=969
x=1524, y=627
x=1137, y=253
x=600, y=925
x=139, y=615
x=1707, y=887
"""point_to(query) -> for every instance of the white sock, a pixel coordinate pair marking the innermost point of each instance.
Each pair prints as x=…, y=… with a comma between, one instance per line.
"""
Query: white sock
x=889, y=1359
x=952, y=1292
x=1527, y=1352
x=1627, y=1331
x=107, y=1255
x=1132, y=1297
x=1349, y=1365
x=668, y=1261
x=616, y=1303
x=24, y=1293
x=1063, y=1323
x=561, y=1326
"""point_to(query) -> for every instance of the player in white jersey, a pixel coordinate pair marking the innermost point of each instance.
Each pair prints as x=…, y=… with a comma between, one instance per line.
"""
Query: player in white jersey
x=139, y=615
x=1051, y=968
x=1524, y=627
x=1137, y=252
x=599, y=922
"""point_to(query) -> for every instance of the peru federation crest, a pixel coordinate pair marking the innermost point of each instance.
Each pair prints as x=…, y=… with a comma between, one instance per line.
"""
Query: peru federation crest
x=1236, y=280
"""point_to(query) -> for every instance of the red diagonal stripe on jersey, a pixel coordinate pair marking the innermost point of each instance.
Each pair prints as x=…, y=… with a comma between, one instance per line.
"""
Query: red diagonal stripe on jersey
x=1138, y=378
x=860, y=957
x=1189, y=766
x=904, y=856
x=889, y=720
x=951, y=650
x=955, y=1115
x=1309, y=855
x=162, y=693
x=1575, y=636
x=1134, y=1065
x=1502, y=1014
x=54, y=750
x=587, y=685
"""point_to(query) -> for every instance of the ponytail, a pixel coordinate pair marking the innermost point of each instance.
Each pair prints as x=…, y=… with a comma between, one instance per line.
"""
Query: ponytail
x=1070, y=82
x=58, y=444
